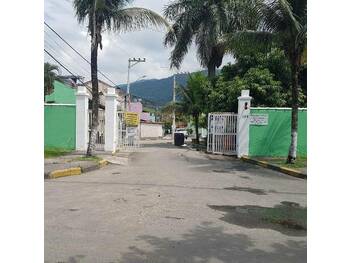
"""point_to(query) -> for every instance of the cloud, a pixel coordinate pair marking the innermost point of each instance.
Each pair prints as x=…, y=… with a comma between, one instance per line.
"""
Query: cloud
x=117, y=48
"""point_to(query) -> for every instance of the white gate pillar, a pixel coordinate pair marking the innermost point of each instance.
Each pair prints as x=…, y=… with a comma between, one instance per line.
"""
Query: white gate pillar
x=82, y=119
x=243, y=123
x=111, y=120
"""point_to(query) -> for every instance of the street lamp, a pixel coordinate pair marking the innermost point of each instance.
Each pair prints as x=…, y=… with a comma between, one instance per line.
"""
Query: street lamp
x=142, y=77
x=131, y=62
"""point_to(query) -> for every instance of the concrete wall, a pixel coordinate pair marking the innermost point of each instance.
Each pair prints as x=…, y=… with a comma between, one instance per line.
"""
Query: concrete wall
x=59, y=126
x=273, y=139
x=151, y=130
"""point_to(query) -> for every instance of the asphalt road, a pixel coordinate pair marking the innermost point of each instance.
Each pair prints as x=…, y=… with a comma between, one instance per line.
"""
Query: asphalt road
x=170, y=204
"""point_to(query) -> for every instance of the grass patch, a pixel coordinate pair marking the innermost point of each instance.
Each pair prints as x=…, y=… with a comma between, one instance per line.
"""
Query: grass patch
x=85, y=158
x=55, y=152
x=300, y=162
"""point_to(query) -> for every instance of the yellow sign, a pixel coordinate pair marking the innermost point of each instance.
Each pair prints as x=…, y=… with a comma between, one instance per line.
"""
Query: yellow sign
x=132, y=118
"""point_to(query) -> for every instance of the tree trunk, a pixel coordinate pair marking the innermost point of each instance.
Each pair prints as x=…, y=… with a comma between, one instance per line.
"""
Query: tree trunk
x=211, y=70
x=94, y=83
x=292, y=154
x=196, y=124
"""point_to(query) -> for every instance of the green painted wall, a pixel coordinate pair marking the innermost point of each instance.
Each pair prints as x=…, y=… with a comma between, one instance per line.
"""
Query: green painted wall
x=59, y=124
x=61, y=94
x=274, y=138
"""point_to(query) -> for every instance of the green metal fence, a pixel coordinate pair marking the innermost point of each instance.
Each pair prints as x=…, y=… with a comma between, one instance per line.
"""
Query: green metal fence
x=273, y=139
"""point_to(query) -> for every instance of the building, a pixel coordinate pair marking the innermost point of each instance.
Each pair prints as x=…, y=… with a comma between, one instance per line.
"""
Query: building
x=103, y=88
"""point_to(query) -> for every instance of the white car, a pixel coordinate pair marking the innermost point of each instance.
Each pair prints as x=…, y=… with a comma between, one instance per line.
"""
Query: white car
x=182, y=130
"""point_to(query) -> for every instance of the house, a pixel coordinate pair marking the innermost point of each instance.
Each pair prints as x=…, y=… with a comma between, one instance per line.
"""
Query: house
x=103, y=88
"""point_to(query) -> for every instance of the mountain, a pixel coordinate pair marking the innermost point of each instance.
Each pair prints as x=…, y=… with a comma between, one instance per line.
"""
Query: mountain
x=157, y=91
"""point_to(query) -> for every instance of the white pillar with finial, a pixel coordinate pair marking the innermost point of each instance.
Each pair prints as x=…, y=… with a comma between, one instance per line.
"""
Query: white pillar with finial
x=243, y=123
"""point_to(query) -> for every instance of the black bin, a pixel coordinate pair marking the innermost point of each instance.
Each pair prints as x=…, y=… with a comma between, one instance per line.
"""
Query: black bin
x=179, y=139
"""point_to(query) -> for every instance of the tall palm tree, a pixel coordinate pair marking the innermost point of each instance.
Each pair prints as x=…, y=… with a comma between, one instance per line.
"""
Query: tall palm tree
x=205, y=22
x=282, y=22
x=50, y=75
x=194, y=98
x=110, y=15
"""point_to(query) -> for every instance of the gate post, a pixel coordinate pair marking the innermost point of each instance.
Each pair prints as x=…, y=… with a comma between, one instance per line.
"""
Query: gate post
x=110, y=120
x=243, y=123
x=81, y=119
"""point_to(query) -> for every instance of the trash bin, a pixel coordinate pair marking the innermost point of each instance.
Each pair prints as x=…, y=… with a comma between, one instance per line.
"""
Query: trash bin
x=179, y=138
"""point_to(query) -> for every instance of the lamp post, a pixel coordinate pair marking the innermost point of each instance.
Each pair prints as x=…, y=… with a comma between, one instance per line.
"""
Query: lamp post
x=131, y=62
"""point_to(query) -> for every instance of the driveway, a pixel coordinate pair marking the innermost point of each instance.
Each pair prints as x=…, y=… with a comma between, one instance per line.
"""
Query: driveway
x=171, y=204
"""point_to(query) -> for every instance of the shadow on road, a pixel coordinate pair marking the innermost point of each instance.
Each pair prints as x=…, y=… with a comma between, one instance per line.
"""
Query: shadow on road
x=207, y=243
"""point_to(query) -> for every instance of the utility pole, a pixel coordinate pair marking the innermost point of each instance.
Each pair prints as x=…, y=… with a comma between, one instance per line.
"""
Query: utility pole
x=131, y=62
x=174, y=100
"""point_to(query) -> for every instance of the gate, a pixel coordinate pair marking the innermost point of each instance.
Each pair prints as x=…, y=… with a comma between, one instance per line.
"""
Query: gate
x=100, y=135
x=222, y=133
x=129, y=136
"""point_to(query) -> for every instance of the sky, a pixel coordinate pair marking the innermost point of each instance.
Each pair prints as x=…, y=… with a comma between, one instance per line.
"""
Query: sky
x=117, y=48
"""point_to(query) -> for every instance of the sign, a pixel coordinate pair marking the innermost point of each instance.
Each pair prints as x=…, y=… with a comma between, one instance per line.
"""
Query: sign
x=259, y=119
x=132, y=118
x=131, y=131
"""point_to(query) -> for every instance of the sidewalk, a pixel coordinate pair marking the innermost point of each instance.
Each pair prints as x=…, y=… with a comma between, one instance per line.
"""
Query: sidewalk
x=76, y=163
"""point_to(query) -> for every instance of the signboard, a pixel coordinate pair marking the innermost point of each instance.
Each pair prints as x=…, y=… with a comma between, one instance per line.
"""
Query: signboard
x=131, y=131
x=132, y=118
x=259, y=119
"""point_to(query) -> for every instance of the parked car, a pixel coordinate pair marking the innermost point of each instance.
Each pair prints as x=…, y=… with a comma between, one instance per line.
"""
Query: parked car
x=182, y=130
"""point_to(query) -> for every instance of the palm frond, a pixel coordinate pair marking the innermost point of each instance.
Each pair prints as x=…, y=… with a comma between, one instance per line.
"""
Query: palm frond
x=136, y=18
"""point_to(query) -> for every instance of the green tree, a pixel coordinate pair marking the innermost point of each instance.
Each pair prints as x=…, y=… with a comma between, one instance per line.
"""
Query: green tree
x=194, y=98
x=282, y=22
x=205, y=22
x=110, y=15
x=265, y=90
x=50, y=75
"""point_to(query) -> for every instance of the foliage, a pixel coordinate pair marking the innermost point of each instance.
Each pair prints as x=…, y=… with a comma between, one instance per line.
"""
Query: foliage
x=51, y=152
x=194, y=97
x=50, y=75
x=204, y=22
x=282, y=23
x=114, y=15
x=111, y=15
x=264, y=89
x=276, y=62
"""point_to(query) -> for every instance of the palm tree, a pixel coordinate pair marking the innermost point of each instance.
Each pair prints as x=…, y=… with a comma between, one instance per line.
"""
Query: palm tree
x=50, y=75
x=194, y=98
x=110, y=15
x=205, y=22
x=283, y=22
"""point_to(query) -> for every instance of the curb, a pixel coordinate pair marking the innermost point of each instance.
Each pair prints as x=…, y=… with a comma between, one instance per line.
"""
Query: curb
x=74, y=170
x=275, y=167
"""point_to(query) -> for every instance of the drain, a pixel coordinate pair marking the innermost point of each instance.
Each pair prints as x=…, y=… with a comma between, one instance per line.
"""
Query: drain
x=73, y=209
x=116, y=173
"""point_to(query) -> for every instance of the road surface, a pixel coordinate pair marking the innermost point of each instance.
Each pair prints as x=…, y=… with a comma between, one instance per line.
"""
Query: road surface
x=171, y=204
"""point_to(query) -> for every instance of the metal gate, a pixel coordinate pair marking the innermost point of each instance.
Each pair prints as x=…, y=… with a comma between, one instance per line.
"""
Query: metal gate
x=100, y=136
x=129, y=137
x=222, y=133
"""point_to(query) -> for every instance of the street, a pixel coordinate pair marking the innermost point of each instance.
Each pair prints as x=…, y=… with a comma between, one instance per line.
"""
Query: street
x=171, y=204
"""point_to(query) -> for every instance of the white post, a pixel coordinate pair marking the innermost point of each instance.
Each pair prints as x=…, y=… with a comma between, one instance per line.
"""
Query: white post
x=111, y=121
x=82, y=119
x=243, y=123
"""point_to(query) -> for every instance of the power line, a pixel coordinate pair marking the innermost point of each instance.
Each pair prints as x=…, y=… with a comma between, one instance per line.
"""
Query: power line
x=78, y=53
x=70, y=72
x=64, y=52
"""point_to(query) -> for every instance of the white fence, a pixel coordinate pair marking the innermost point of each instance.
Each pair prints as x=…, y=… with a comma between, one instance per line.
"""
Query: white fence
x=222, y=133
